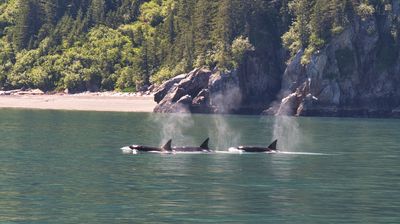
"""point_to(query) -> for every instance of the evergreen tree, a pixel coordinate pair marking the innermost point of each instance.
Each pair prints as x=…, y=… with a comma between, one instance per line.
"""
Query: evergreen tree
x=96, y=12
x=27, y=24
x=202, y=21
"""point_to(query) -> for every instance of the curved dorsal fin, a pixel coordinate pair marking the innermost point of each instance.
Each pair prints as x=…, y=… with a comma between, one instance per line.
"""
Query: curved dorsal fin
x=273, y=145
x=167, y=146
x=205, y=144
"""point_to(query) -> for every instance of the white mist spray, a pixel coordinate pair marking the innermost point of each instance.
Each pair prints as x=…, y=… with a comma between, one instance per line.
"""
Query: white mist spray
x=175, y=125
x=225, y=136
x=174, y=128
x=287, y=131
x=286, y=127
x=225, y=101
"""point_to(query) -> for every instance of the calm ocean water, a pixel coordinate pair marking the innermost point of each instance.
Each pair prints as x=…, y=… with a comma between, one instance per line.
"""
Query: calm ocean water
x=67, y=167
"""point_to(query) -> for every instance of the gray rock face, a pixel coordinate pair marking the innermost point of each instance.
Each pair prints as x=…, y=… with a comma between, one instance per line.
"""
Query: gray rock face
x=260, y=81
x=225, y=92
x=348, y=77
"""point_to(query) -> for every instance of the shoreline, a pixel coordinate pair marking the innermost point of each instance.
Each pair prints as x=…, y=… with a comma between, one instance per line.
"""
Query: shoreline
x=102, y=102
x=137, y=102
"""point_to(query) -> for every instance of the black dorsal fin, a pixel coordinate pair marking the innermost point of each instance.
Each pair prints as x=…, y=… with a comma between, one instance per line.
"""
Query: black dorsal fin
x=167, y=146
x=205, y=144
x=273, y=145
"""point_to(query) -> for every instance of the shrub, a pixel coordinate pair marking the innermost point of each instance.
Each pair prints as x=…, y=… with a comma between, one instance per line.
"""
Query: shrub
x=306, y=58
x=240, y=46
x=365, y=10
x=291, y=41
x=163, y=74
x=336, y=30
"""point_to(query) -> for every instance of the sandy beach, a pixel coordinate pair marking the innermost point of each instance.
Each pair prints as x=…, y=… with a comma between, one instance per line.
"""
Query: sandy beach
x=80, y=102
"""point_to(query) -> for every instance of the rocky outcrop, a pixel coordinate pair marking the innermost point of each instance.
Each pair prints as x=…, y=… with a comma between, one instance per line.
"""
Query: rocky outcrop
x=162, y=90
x=177, y=94
x=200, y=91
x=351, y=76
x=20, y=92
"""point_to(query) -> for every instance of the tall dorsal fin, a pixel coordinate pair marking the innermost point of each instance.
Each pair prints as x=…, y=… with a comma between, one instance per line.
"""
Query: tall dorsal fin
x=167, y=146
x=205, y=144
x=273, y=145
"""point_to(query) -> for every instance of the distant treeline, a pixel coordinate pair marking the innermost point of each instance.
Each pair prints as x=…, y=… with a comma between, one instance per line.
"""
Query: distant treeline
x=124, y=44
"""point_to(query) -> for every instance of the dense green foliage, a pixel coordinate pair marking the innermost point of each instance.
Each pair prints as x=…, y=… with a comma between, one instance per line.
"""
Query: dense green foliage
x=120, y=44
x=124, y=44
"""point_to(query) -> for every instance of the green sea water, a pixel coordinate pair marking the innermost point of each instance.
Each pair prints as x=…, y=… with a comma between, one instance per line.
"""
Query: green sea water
x=67, y=167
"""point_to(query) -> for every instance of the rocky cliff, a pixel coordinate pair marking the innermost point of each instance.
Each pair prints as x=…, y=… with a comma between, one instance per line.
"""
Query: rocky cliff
x=357, y=73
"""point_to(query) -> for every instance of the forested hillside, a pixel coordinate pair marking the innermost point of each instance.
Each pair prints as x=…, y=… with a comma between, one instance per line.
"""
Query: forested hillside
x=123, y=44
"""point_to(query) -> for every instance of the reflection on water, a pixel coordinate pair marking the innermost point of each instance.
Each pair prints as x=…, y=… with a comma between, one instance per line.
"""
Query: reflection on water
x=66, y=167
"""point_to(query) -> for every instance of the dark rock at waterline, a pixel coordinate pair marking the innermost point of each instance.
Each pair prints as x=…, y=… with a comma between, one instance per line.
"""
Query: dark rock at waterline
x=169, y=107
x=306, y=105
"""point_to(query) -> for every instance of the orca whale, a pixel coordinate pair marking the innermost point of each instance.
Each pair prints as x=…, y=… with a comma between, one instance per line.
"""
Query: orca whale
x=168, y=149
x=203, y=148
x=258, y=149
x=141, y=148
